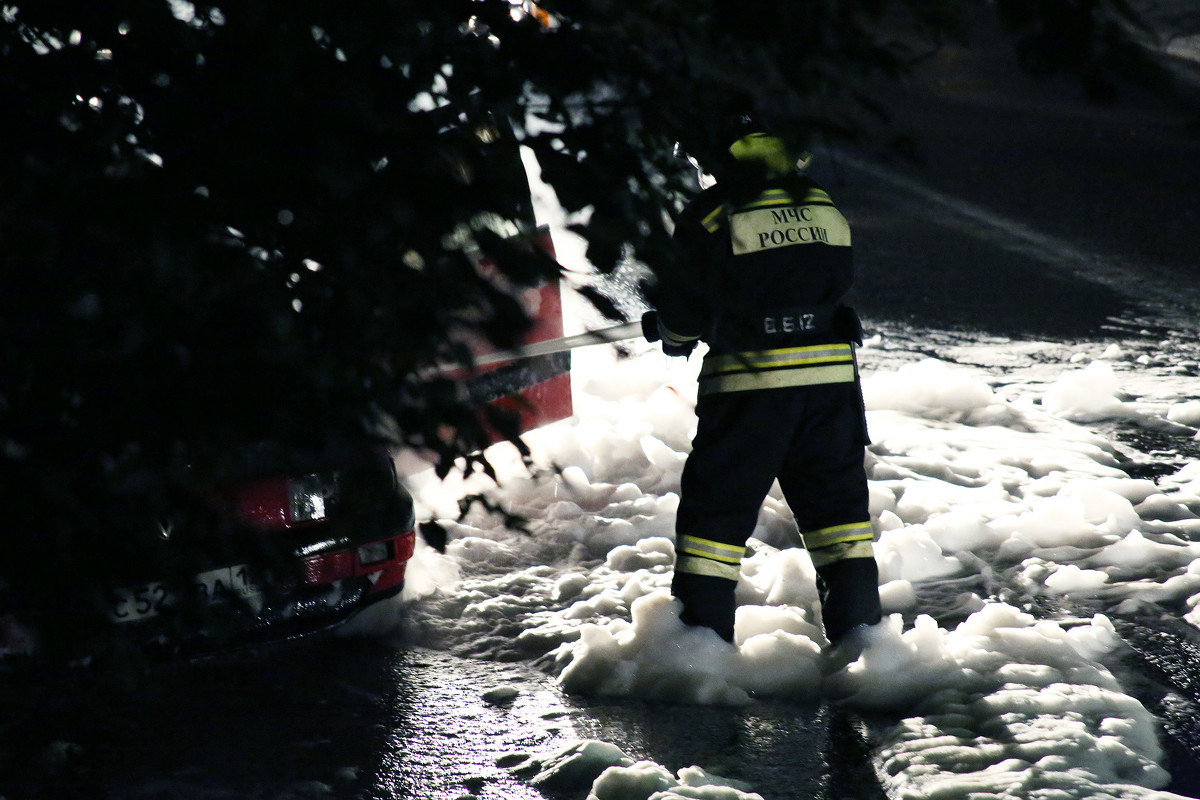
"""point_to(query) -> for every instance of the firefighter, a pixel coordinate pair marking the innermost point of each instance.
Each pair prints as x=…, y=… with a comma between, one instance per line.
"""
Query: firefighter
x=765, y=271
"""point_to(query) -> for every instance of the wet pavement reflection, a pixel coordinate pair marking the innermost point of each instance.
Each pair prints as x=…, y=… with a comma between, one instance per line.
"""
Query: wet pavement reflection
x=355, y=718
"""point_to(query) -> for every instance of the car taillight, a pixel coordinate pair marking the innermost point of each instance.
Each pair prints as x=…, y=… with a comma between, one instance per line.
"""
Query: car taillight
x=279, y=503
x=329, y=567
x=366, y=559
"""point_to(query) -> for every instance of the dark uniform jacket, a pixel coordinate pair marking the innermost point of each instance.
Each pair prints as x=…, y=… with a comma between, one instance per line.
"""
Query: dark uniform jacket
x=763, y=286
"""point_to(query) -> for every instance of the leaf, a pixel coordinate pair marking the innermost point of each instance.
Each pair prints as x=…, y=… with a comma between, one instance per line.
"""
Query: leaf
x=601, y=303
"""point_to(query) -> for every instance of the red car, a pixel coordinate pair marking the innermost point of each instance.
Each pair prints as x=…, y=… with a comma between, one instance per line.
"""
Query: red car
x=288, y=545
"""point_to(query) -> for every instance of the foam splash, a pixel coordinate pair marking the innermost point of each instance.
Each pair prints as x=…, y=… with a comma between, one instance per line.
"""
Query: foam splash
x=968, y=487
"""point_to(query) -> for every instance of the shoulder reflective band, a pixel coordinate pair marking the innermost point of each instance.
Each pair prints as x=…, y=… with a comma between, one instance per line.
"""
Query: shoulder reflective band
x=774, y=197
x=759, y=229
x=782, y=197
x=712, y=222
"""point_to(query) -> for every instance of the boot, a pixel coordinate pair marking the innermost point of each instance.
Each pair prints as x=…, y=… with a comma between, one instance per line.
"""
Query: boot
x=708, y=602
x=849, y=596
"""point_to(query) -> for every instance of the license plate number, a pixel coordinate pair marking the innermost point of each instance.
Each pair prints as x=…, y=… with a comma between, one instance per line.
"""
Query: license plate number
x=213, y=586
x=217, y=585
x=139, y=602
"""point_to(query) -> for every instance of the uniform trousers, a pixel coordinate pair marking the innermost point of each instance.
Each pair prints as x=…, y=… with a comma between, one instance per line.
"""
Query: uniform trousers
x=811, y=439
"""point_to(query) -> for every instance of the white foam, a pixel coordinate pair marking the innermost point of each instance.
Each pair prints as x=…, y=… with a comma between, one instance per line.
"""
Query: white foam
x=966, y=485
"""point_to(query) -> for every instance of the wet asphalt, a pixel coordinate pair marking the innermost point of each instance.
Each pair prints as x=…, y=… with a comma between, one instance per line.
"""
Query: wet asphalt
x=1030, y=211
x=355, y=718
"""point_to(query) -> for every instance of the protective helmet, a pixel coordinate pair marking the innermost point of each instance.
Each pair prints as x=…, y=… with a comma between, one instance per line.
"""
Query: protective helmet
x=753, y=141
x=741, y=149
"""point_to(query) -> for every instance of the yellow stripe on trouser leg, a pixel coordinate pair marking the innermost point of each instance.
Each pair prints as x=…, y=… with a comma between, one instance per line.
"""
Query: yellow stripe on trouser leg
x=837, y=534
x=696, y=565
x=708, y=557
x=839, y=552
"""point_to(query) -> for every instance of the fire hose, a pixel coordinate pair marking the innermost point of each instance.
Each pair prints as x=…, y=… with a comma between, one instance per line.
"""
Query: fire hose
x=615, y=333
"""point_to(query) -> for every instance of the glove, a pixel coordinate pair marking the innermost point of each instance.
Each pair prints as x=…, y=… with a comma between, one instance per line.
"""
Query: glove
x=652, y=332
x=683, y=350
x=650, y=326
x=847, y=324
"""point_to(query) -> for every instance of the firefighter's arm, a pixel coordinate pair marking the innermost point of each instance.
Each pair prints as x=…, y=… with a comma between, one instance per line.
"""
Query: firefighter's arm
x=680, y=312
x=673, y=344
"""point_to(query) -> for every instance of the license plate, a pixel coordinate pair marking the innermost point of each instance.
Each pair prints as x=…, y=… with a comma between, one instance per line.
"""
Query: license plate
x=213, y=586
x=218, y=585
x=139, y=602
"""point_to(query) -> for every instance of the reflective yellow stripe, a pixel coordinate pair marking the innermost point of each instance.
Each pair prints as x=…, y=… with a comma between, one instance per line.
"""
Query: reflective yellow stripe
x=838, y=534
x=781, y=197
x=840, y=552
x=812, y=355
x=694, y=545
x=778, y=379
x=711, y=222
x=776, y=369
x=771, y=197
x=694, y=565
